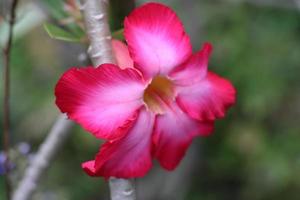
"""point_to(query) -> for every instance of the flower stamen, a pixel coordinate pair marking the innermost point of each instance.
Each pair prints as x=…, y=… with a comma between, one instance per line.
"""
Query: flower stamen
x=158, y=94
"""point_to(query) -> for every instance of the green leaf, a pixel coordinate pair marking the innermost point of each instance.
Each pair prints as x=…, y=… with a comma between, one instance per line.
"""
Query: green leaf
x=58, y=33
x=118, y=34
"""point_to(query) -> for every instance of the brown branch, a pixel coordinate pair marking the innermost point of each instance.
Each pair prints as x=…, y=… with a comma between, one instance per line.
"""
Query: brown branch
x=6, y=110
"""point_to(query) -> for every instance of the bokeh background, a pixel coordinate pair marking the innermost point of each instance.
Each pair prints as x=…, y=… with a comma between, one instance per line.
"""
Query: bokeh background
x=254, y=154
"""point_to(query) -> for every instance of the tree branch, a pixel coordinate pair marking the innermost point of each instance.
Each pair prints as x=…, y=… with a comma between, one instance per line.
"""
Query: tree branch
x=47, y=151
x=6, y=106
x=122, y=189
x=97, y=28
x=100, y=51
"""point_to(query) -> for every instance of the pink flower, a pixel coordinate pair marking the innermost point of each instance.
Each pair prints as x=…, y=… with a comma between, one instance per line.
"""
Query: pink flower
x=152, y=105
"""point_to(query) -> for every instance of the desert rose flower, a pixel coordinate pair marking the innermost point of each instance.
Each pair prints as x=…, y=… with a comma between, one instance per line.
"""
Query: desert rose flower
x=150, y=106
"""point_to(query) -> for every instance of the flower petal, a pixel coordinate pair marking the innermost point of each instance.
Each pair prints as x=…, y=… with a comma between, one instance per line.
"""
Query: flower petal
x=156, y=39
x=129, y=156
x=173, y=133
x=194, y=70
x=122, y=54
x=103, y=100
x=207, y=99
x=89, y=167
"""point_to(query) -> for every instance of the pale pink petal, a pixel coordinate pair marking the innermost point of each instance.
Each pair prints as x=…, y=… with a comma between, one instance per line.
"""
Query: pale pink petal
x=207, y=99
x=194, y=70
x=129, y=156
x=122, y=54
x=173, y=133
x=103, y=100
x=156, y=39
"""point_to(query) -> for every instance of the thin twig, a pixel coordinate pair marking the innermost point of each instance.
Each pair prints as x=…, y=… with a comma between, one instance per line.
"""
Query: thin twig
x=100, y=51
x=6, y=106
x=47, y=151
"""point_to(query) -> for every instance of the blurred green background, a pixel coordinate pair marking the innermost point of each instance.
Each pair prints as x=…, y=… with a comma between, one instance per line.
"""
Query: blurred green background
x=254, y=154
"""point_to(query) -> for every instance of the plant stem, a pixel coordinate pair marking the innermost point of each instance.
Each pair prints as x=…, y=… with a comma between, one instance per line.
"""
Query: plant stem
x=6, y=105
x=100, y=51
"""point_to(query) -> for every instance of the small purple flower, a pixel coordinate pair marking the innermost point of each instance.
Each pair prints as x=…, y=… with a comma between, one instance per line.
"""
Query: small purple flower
x=24, y=148
x=2, y=163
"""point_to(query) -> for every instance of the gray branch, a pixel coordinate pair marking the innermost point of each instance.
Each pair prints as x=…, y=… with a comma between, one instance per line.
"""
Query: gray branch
x=47, y=151
x=97, y=29
x=100, y=51
x=122, y=189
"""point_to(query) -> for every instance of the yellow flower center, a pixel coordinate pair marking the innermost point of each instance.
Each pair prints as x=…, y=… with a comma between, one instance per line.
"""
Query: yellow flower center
x=158, y=94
